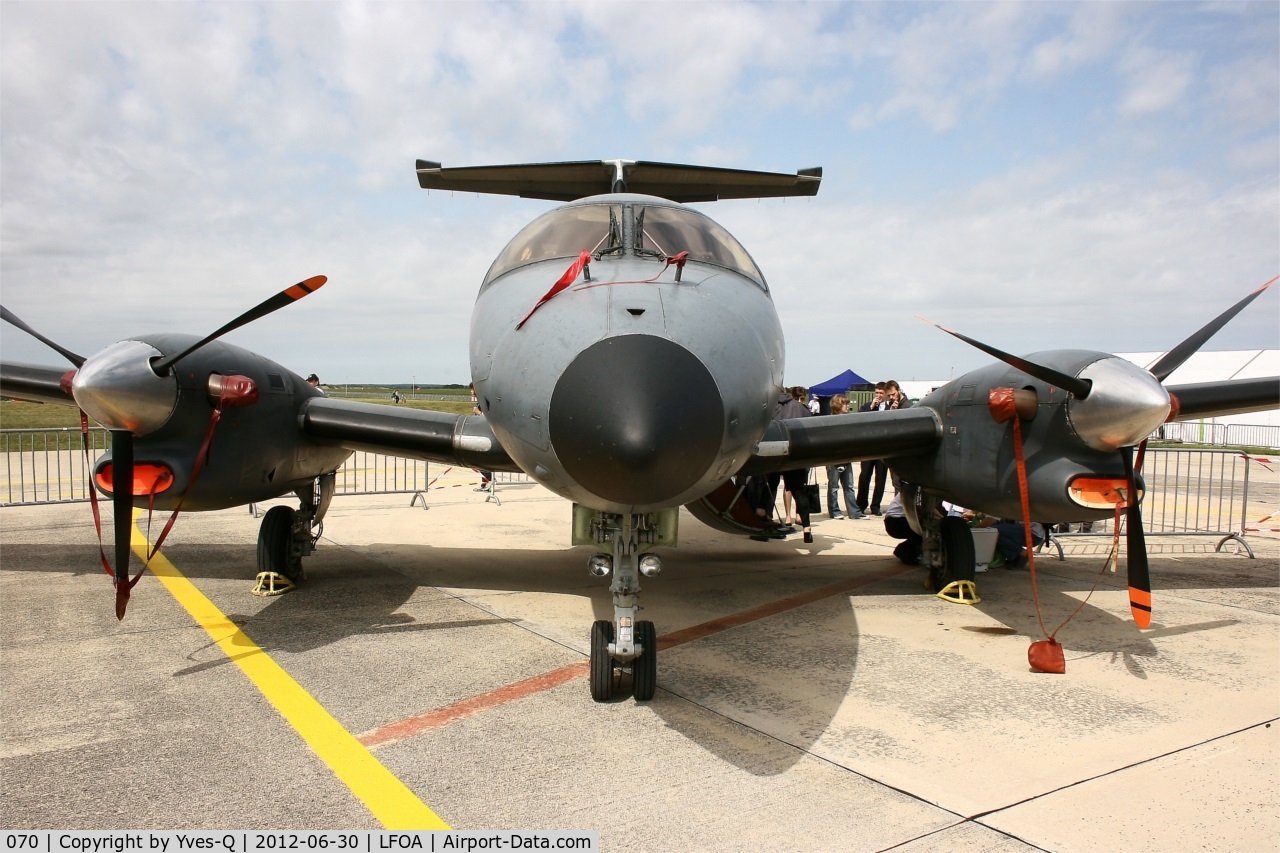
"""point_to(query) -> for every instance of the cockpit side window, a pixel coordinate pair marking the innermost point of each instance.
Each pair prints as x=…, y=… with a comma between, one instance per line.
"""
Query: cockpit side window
x=562, y=233
x=666, y=231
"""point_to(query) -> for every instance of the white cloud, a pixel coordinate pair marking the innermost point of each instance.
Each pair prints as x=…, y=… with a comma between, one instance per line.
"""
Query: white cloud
x=1156, y=80
x=1092, y=31
x=169, y=165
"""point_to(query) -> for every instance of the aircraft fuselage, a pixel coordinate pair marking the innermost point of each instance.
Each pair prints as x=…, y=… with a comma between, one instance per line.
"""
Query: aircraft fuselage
x=627, y=391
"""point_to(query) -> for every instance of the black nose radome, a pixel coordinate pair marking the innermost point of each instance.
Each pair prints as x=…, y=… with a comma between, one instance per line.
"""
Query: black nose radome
x=636, y=419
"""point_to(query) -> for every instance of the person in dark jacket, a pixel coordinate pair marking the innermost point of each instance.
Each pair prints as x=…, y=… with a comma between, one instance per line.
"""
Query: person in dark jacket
x=794, y=480
x=873, y=467
x=764, y=487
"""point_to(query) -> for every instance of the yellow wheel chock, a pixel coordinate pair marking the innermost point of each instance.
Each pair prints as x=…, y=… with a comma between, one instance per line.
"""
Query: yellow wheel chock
x=272, y=583
x=960, y=592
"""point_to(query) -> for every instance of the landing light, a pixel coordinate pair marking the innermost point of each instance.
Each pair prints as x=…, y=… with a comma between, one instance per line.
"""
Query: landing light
x=600, y=565
x=650, y=565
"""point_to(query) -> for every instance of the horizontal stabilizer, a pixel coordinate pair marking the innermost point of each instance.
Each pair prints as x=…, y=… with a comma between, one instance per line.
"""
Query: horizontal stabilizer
x=573, y=180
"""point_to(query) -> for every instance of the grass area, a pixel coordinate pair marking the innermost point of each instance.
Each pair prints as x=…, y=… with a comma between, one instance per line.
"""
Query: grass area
x=15, y=414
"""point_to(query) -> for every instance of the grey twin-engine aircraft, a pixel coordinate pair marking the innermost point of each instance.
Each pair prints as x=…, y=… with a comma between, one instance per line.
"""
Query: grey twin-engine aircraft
x=627, y=355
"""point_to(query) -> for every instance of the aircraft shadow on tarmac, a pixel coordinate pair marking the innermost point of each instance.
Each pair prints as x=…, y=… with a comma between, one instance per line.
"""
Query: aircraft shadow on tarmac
x=751, y=670
x=746, y=671
x=1007, y=598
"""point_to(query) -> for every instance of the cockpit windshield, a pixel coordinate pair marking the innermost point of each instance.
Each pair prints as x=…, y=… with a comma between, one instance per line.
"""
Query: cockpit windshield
x=562, y=233
x=665, y=231
x=655, y=230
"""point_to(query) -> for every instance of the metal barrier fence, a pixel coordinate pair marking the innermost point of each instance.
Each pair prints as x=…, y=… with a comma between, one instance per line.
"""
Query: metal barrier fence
x=46, y=466
x=1196, y=493
x=1220, y=435
x=1189, y=492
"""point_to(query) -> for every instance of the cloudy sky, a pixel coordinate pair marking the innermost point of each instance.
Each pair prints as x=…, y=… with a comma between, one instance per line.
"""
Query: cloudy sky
x=1038, y=175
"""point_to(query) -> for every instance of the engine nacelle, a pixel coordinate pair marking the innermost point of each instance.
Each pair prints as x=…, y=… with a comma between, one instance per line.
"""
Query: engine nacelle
x=256, y=451
x=1074, y=468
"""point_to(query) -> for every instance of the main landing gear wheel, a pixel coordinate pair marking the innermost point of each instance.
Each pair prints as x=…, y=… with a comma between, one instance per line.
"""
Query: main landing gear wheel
x=601, y=660
x=957, y=554
x=644, y=669
x=275, y=544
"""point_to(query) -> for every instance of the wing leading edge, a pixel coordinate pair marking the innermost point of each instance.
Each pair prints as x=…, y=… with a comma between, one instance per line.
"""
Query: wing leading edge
x=1230, y=397
x=33, y=382
x=830, y=440
x=464, y=440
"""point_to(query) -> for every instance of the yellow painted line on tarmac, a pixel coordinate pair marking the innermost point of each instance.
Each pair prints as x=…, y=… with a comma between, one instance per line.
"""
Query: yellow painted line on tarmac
x=389, y=799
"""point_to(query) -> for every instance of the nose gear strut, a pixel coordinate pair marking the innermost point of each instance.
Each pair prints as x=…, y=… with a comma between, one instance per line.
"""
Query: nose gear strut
x=624, y=644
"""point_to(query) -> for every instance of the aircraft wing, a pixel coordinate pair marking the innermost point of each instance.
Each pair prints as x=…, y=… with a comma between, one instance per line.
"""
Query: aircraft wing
x=36, y=383
x=1232, y=397
x=832, y=439
x=577, y=179
x=463, y=440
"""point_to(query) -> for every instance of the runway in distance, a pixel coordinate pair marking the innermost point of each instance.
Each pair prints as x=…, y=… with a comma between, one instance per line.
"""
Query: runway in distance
x=627, y=354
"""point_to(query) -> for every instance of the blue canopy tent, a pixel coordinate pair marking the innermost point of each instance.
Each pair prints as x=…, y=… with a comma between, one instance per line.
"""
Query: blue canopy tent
x=837, y=384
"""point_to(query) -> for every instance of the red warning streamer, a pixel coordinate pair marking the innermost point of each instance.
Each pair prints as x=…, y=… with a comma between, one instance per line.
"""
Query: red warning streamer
x=564, y=281
x=1044, y=655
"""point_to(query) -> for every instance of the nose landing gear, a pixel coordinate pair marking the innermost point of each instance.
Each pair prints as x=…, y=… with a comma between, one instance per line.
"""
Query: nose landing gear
x=625, y=646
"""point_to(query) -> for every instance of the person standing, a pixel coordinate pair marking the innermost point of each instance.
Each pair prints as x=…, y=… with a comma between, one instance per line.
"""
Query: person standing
x=486, y=477
x=793, y=481
x=895, y=397
x=763, y=488
x=840, y=477
x=876, y=468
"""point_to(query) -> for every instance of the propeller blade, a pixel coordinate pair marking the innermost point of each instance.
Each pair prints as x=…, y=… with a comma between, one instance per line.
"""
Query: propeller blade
x=1174, y=358
x=1079, y=387
x=275, y=303
x=122, y=503
x=9, y=317
x=1136, y=545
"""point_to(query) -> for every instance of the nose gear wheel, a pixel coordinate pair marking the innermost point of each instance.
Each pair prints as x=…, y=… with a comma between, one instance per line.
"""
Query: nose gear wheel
x=602, y=669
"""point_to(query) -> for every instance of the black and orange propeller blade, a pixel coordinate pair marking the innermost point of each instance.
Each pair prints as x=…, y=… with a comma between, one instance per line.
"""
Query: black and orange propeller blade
x=1079, y=387
x=1174, y=358
x=1136, y=542
x=122, y=504
x=285, y=297
x=9, y=317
